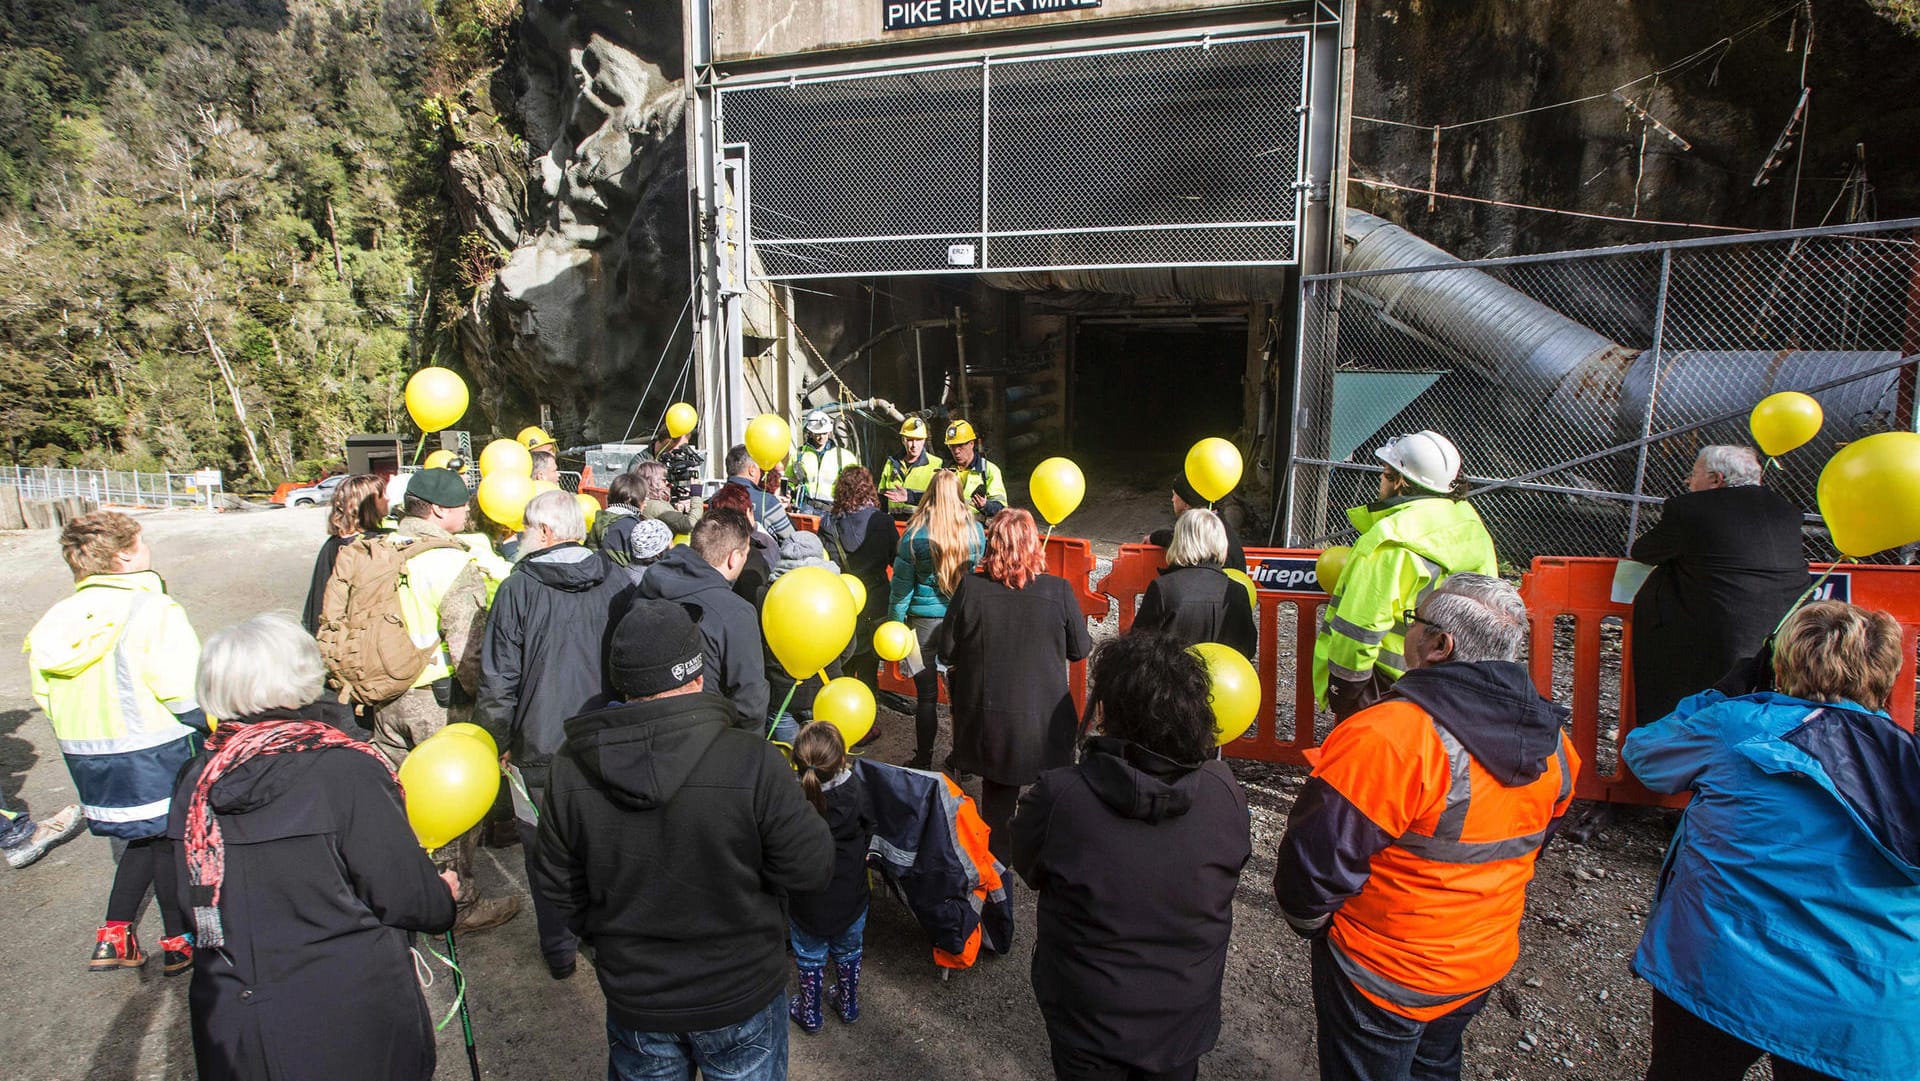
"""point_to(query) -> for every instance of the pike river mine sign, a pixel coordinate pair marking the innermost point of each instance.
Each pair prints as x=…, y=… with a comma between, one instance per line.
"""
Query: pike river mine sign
x=912, y=14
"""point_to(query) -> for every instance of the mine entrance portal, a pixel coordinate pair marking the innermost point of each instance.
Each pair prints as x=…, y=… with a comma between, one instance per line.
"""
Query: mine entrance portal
x=1146, y=389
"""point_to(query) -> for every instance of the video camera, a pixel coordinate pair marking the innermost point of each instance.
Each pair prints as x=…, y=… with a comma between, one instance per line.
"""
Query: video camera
x=684, y=466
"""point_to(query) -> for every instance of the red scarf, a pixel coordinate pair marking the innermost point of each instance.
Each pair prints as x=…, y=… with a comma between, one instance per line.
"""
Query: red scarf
x=230, y=746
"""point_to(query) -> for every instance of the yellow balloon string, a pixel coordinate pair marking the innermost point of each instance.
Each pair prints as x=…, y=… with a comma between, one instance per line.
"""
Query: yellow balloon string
x=1811, y=590
x=1049, y=537
x=782, y=711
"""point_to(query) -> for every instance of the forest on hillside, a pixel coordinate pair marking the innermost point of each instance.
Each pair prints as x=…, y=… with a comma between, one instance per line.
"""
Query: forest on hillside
x=224, y=235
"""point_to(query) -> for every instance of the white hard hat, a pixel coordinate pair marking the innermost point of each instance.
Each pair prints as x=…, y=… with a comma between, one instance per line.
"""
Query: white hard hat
x=819, y=423
x=397, y=488
x=1427, y=458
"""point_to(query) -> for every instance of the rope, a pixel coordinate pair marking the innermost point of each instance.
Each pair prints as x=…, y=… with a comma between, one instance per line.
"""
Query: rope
x=425, y=975
x=684, y=309
x=1387, y=184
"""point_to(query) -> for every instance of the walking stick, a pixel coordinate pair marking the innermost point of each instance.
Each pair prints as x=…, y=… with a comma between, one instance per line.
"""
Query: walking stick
x=466, y=1018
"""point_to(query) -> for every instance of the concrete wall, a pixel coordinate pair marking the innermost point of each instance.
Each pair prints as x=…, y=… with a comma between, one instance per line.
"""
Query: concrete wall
x=760, y=29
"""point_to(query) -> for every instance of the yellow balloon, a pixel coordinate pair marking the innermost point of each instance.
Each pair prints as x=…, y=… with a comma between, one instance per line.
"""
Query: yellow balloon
x=474, y=731
x=808, y=619
x=1330, y=565
x=1213, y=467
x=1057, y=487
x=439, y=458
x=767, y=438
x=450, y=783
x=1253, y=591
x=681, y=538
x=1784, y=421
x=436, y=397
x=680, y=419
x=541, y=487
x=589, y=507
x=1869, y=493
x=892, y=640
x=1235, y=693
x=505, y=456
x=859, y=590
x=846, y=704
x=503, y=498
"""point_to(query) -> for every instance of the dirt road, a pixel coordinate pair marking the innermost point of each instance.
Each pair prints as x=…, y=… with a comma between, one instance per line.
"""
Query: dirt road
x=1569, y=1010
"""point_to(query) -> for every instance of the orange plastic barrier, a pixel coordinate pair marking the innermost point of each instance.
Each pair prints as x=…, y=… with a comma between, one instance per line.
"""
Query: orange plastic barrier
x=1285, y=668
x=1581, y=590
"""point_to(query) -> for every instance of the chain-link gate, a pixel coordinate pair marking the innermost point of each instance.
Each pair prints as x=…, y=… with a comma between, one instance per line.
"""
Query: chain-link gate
x=1184, y=152
x=1579, y=386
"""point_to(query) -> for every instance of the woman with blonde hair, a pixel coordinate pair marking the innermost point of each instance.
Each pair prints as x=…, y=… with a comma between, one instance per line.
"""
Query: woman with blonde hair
x=941, y=543
x=1193, y=599
x=359, y=507
x=1010, y=632
x=1784, y=922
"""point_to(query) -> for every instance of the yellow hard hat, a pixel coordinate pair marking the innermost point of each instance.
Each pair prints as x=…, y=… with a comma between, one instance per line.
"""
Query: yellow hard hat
x=960, y=432
x=439, y=458
x=533, y=436
x=914, y=428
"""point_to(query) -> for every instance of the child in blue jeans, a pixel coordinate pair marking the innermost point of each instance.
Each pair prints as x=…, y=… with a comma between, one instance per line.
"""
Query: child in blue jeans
x=830, y=922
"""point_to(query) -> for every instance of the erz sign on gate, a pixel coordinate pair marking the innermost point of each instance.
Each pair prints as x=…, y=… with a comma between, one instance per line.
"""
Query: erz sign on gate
x=911, y=14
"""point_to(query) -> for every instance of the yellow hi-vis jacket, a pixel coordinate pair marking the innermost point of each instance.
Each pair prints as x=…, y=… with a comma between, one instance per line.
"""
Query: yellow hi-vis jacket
x=816, y=470
x=430, y=579
x=1407, y=546
x=113, y=668
x=911, y=476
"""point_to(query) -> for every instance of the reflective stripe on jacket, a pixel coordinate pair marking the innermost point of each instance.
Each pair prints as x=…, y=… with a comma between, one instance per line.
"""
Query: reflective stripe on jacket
x=113, y=669
x=424, y=584
x=1406, y=548
x=817, y=469
x=1412, y=854
x=912, y=477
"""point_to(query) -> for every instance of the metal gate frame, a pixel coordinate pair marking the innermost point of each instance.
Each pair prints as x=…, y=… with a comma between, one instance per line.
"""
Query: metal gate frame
x=743, y=240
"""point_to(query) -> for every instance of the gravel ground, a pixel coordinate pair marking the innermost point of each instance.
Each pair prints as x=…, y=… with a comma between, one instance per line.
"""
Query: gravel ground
x=1569, y=1010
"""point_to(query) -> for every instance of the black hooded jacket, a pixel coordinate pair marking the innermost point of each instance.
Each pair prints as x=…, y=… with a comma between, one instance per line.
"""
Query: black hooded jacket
x=666, y=840
x=735, y=666
x=1199, y=604
x=546, y=653
x=1136, y=858
x=323, y=883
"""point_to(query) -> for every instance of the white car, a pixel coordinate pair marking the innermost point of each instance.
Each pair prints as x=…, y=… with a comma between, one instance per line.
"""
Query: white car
x=315, y=494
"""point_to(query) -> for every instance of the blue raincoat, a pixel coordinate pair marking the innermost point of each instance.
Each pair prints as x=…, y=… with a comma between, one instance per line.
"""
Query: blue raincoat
x=1788, y=912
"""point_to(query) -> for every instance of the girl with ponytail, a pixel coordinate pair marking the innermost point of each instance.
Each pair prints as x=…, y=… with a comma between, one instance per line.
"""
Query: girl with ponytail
x=830, y=923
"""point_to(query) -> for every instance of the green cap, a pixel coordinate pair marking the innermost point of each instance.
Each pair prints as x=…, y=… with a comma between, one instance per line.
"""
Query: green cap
x=441, y=487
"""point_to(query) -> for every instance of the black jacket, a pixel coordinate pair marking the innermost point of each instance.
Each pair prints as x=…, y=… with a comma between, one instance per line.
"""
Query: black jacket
x=863, y=543
x=1008, y=651
x=546, y=653
x=666, y=839
x=1136, y=858
x=1199, y=604
x=828, y=911
x=1236, y=555
x=324, y=881
x=1728, y=563
x=735, y=667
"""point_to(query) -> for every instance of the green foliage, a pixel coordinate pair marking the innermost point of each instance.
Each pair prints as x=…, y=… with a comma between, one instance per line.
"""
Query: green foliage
x=204, y=200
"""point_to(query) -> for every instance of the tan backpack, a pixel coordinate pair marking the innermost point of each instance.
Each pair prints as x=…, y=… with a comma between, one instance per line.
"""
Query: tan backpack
x=363, y=635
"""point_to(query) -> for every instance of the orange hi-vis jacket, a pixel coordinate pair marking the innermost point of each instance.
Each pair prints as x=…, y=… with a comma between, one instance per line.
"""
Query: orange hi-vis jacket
x=1412, y=846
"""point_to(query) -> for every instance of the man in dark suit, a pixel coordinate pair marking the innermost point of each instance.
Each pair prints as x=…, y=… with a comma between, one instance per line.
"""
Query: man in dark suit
x=1728, y=563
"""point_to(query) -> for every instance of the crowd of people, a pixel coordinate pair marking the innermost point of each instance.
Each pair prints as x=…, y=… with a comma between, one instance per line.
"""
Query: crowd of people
x=693, y=833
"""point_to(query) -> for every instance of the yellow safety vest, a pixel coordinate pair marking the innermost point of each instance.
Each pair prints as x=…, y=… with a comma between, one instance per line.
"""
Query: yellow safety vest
x=913, y=478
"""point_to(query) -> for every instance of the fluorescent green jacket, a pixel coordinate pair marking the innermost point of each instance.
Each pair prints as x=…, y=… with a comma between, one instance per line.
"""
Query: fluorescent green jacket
x=442, y=593
x=816, y=470
x=1407, y=545
x=113, y=668
x=913, y=477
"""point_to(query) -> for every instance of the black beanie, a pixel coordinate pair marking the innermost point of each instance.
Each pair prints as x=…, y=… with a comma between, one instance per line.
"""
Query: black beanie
x=1183, y=488
x=656, y=648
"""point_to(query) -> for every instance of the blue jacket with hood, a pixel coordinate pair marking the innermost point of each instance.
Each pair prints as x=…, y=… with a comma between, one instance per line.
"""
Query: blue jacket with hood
x=1788, y=912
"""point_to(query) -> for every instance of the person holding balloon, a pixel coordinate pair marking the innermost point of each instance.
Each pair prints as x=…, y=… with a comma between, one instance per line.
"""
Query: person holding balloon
x=942, y=542
x=305, y=880
x=1010, y=631
x=701, y=574
x=1186, y=498
x=1418, y=532
x=1728, y=561
x=1193, y=599
x=1136, y=852
x=861, y=538
x=828, y=924
x=744, y=470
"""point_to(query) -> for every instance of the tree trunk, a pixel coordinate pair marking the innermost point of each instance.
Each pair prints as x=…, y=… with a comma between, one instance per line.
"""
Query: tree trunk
x=339, y=268
x=239, y=407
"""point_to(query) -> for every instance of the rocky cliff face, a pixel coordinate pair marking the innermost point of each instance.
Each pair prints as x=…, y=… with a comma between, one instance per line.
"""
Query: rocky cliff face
x=572, y=164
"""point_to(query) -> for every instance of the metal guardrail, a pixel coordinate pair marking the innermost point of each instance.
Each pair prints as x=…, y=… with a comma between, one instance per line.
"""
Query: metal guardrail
x=115, y=487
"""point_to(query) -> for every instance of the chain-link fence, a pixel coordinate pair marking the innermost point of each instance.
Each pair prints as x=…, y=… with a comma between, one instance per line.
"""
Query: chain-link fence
x=1167, y=153
x=1579, y=386
x=115, y=487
